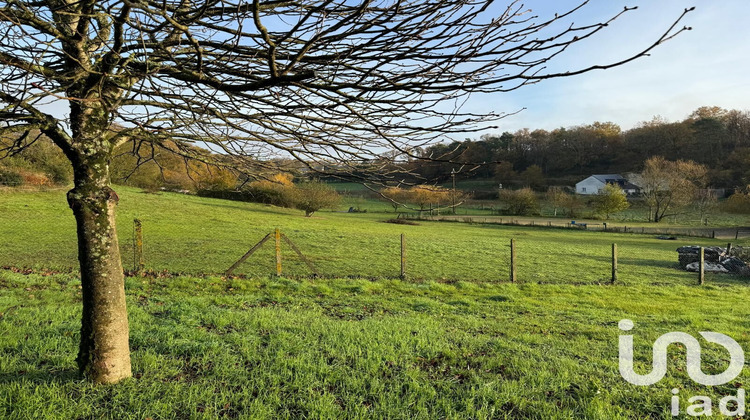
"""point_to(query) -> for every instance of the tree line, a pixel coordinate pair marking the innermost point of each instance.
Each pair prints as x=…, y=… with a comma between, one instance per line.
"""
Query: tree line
x=710, y=135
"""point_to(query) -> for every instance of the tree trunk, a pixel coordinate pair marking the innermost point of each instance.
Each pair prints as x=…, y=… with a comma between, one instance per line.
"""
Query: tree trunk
x=104, y=354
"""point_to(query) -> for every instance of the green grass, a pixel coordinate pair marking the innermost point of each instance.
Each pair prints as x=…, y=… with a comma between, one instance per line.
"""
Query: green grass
x=195, y=235
x=280, y=348
x=457, y=341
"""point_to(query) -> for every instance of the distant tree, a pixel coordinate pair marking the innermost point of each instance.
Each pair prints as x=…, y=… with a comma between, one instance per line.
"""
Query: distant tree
x=312, y=196
x=705, y=112
x=396, y=196
x=610, y=199
x=504, y=173
x=668, y=185
x=425, y=196
x=533, y=177
x=656, y=137
x=574, y=204
x=520, y=202
x=705, y=201
x=556, y=197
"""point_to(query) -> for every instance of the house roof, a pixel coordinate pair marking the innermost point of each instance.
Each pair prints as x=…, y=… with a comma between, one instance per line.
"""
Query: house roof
x=609, y=178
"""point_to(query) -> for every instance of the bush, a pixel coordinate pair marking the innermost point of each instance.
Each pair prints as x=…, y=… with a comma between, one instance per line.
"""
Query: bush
x=60, y=174
x=521, y=202
x=10, y=178
x=739, y=202
x=277, y=191
x=314, y=195
x=35, y=179
x=610, y=199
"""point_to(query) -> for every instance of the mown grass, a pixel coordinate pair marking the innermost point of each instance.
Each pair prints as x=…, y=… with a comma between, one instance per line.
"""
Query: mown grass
x=457, y=341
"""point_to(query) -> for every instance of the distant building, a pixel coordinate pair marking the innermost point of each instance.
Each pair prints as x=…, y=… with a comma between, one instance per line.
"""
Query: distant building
x=594, y=184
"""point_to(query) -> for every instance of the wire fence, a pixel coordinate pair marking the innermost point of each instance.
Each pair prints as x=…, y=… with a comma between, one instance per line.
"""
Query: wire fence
x=493, y=254
x=714, y=232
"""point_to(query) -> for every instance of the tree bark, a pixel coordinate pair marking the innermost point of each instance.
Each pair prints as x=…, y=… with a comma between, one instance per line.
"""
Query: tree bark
x=104, y=354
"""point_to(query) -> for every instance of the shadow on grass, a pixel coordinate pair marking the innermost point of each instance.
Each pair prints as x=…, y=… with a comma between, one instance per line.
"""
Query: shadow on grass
x=240, y=205
x=41, y=376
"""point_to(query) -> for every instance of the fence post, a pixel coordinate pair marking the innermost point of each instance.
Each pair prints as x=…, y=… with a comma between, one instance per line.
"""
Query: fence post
x=737, y=234
x=702, y=267
x=614, y=263
x=713, y=234
x=277, y=235
x=403, y=257
x=138, y=264
x=513, y=260
x=729, y=249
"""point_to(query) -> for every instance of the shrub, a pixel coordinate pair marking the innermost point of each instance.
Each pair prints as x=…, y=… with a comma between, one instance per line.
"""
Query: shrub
x=610, y=199
x=278, y=191
x=314, y=195
x=10, y=178
x=422, y=196
x=520, y=202
x=739, y=202
x=35, y=179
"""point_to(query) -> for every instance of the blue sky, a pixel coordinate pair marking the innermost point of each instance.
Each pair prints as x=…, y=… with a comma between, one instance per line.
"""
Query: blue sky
x=706, y=66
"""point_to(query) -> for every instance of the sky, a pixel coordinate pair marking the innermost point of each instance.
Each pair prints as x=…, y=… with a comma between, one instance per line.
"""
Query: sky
x=709, y=65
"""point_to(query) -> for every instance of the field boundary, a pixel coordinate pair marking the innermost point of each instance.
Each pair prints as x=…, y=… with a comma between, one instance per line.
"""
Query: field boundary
x=714, y=233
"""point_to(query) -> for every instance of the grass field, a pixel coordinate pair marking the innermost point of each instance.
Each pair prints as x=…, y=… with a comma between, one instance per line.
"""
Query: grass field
x=194, y=235
x=637, y=215
x=456, y=342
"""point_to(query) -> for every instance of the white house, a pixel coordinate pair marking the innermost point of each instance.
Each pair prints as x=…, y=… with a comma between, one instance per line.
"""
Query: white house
x=594, y=183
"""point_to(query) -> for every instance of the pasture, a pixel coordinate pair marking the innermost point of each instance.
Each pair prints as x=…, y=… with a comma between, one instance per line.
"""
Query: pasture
x=455, y=341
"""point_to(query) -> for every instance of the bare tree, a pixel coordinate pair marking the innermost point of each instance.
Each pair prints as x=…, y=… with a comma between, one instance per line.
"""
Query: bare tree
x=706, y=200
x=557, y=197
x=332, y=83
x=668, y=186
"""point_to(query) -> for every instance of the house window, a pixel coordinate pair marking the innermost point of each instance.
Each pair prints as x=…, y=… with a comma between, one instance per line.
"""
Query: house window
x=583, y=189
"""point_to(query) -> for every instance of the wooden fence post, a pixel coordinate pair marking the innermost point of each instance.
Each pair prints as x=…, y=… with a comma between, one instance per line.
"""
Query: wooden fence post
x=702, y=267
x=277, y=235
x=737, y=234
x=729, y=248
x=403, y=257
x=713, y=234
x=513, y=260
x=614, y=263
x=138, y=264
